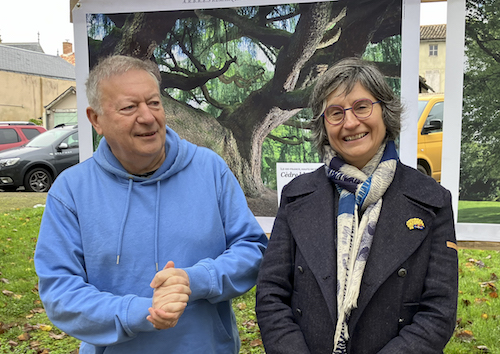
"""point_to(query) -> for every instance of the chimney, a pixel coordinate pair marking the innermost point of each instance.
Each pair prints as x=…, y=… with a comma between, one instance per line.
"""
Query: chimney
x=67, y=48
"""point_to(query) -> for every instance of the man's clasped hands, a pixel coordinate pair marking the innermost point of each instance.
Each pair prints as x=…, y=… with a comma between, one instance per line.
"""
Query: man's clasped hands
x=171, y=294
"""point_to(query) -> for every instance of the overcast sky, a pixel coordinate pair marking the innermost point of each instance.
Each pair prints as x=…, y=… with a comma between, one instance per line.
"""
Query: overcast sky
x=48, y=21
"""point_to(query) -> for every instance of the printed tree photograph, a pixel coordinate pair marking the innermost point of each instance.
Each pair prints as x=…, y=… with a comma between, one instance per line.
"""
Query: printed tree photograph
x=237, y=80
x=480, y=143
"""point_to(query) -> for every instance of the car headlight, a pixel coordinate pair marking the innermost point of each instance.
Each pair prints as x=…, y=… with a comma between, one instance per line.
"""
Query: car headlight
x=9, y=162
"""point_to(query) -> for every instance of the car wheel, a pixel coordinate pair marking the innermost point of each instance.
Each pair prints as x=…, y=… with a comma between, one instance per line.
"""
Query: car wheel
x=38, y=180
x=422, y=169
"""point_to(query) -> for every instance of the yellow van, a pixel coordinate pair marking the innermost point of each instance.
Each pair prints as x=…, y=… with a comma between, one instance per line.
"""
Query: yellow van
x=430, y=134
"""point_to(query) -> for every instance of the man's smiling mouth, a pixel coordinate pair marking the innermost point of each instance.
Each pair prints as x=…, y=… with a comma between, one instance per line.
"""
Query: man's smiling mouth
x=147, y=134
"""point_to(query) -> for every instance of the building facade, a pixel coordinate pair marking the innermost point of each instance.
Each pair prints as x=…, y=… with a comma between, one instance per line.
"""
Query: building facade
x=30, y=80
x=432, y=56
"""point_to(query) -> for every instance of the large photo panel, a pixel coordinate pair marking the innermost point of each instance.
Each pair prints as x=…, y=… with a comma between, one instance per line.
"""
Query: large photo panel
x=236, y=75
x=474, y=141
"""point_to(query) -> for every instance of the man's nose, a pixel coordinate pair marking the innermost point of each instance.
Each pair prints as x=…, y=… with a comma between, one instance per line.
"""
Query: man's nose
x=145, y=115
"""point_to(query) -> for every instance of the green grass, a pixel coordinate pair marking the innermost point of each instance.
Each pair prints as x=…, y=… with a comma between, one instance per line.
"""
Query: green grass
x=479, y=212
x=478, y=322
x=24, y=327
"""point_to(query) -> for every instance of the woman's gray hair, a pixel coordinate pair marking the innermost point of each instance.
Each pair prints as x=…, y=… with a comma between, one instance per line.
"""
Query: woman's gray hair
x=344, y=75
x=111, y=66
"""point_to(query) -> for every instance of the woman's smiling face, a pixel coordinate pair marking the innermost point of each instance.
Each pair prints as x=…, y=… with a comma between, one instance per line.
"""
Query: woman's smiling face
x=356, y=141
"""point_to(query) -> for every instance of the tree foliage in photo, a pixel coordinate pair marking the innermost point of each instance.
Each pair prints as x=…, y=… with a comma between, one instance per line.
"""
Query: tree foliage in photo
x=231, y=76
x=480, y=155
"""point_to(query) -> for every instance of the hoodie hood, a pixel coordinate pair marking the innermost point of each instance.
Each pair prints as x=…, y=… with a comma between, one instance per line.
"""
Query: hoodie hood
x=178, y=154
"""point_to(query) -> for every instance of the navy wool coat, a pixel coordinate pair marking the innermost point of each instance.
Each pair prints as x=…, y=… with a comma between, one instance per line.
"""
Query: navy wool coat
x=408, y=296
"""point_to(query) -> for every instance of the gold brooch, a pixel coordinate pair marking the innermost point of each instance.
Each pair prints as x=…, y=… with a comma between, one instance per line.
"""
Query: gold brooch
x=415, y=223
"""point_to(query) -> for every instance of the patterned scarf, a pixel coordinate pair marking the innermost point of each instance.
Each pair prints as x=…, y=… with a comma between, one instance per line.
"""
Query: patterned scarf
x=361, y=194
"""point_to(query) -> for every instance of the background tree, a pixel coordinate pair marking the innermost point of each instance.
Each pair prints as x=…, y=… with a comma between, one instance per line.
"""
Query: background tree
x=480, y=154
x=232, y=75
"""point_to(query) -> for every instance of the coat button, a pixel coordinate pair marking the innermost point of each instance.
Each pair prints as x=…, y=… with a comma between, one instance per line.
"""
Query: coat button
x=402, y=272
x=299, y=311
x=301, y=270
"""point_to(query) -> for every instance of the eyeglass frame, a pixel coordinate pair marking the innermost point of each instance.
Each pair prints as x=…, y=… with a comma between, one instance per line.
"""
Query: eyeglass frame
x=347, y=109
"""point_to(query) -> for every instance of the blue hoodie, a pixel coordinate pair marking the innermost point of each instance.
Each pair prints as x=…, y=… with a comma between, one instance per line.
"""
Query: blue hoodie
x=105, y=233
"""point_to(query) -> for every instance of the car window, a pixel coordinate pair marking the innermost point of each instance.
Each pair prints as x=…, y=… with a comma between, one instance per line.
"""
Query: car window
x=421, y=107
x=436, y=113
x=30, y=133
x=72, y=141
x=9, y=136
x=47, y=138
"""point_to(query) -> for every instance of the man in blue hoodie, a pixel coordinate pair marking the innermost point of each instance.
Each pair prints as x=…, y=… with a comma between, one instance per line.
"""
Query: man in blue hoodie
x=145, y=200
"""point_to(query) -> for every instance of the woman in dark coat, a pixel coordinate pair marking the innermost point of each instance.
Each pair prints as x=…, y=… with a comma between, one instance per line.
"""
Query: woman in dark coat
x=362, y=258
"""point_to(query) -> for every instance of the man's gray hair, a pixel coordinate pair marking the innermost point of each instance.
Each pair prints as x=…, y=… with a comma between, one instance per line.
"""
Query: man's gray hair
x=111, y=66
x=344, y=75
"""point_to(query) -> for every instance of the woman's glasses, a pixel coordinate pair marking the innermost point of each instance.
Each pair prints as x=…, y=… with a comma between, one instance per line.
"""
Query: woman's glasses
x=362, y=109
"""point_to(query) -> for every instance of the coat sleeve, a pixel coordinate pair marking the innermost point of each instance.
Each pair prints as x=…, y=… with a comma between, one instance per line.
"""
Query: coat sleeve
x=280, y=332
x=434, y=322
x=234, y=271
x=71, y=302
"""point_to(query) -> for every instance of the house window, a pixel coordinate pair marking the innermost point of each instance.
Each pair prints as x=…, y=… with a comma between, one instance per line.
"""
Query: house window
x=433, y=50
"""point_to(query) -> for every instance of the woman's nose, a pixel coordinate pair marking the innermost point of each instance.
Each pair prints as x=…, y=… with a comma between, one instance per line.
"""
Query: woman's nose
x=350, y=120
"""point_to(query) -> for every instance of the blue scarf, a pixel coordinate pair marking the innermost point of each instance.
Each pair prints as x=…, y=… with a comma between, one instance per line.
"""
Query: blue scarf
x=361, y=193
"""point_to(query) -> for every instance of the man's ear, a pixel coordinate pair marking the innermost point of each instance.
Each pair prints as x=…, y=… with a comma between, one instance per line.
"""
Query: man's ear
x=93, y=118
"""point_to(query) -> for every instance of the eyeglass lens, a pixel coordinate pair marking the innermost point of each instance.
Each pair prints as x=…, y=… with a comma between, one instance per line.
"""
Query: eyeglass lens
x=361, y=109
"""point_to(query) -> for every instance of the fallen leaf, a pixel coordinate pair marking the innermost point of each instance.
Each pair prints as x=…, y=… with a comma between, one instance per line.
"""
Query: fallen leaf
x=23, y=337
x=7, y=293
x=13, y=344
x=3, y=280
x=484, y=316
x=256, y=343
x=17, y=296
x=249, y=324
x=489, y=286
x=465, y=336
x=493, y=295
x=493, y=277
x=28, y=327
x=466, y=302
x=44, y=327
x=34, y=344
x=37, y=310
x=483, y=348
x=241, y=306
x=57, y=336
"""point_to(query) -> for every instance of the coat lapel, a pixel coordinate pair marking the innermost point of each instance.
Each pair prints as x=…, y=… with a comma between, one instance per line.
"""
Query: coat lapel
x=311, y=220
x=394, y=241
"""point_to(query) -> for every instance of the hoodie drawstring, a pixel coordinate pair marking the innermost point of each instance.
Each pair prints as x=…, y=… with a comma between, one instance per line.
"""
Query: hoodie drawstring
x=124, y=220
x=157, y=224
x=122, y=228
